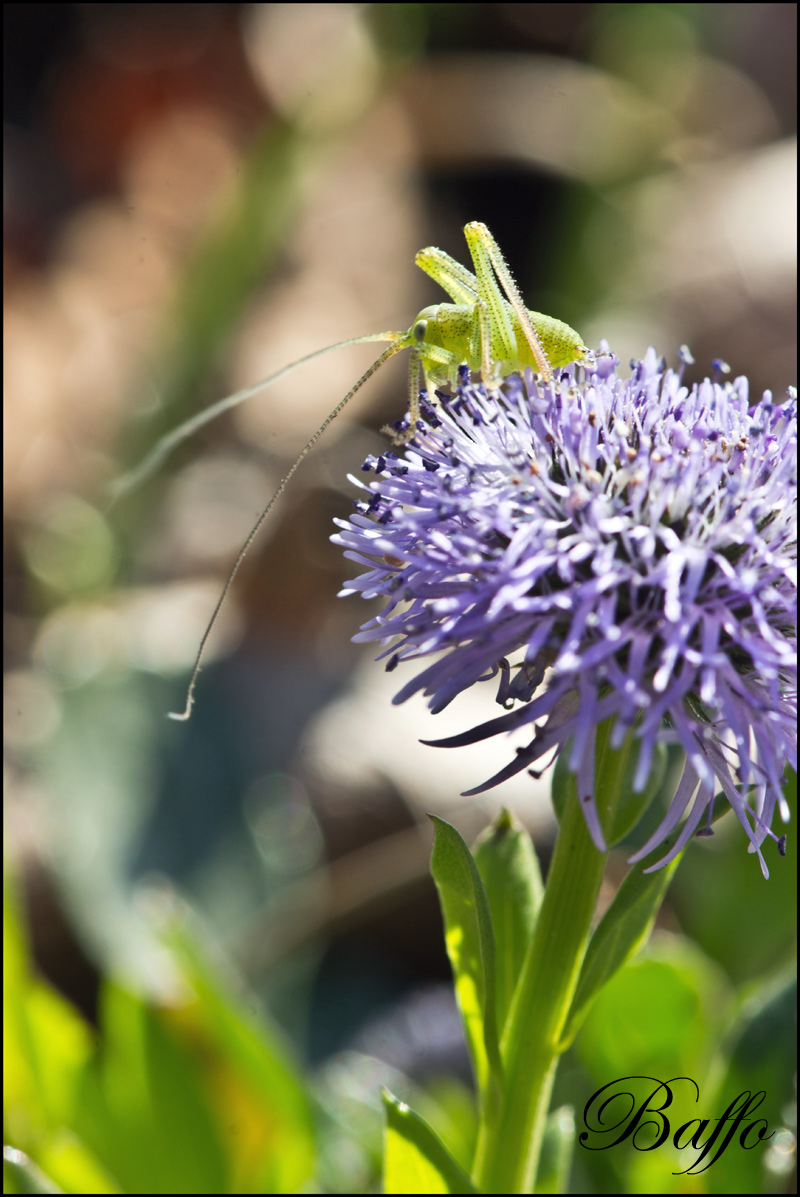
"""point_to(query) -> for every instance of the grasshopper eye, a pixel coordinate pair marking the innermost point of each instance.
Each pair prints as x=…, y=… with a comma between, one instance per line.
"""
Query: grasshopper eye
x=420, y=328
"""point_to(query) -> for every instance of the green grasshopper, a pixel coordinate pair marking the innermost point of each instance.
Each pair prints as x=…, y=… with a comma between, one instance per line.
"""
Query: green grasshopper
x=487, y=328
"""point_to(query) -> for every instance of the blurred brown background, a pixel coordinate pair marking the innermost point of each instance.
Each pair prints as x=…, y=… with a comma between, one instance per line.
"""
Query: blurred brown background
x=199, y=194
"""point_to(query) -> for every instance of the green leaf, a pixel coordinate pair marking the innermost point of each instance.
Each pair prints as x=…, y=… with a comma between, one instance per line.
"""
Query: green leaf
x=21, y=1175
x=627, y=923
x=621, y=932
x=509, y=869
x=448, y=1106
x=195, y=1096
x=759, y=1056
x=143, y=1110
x=46, y=1041
x=70, y=1163
x=558, y=1144
x=260, y=1066
x=415, y=1160
x=661, y=1015
x=470, y=946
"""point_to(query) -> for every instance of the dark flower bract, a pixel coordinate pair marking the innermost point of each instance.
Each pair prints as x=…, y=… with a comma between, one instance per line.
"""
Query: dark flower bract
x=606, y=547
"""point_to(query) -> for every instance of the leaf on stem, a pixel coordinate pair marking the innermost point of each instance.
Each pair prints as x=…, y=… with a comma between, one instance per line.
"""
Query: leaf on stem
x=470, y=946
x=558, y=1145
x=415, y=1160
x=509, y=869
x=621, y=932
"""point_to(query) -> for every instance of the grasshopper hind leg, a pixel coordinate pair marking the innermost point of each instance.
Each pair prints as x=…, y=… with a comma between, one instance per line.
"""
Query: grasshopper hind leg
x=490, y=264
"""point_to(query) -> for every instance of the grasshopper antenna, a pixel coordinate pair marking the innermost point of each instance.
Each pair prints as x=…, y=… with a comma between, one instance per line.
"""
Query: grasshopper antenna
x=376, y=365
x=162, y=449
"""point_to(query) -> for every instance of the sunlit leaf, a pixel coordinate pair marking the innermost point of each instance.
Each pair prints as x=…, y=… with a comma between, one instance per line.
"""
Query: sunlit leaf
x=415, y=1159
x=21, y=1175
x=470, y=946
x=509, y=869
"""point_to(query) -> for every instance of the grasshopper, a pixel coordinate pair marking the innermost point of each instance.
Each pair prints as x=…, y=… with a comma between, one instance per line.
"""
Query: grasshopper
x=487, y=328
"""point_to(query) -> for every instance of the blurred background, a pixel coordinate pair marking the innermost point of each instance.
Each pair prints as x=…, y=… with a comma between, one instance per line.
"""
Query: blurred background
x=196, y=195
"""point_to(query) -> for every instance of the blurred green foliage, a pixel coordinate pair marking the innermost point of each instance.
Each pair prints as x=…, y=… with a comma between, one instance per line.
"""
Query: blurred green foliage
x=195, y=1095
x=198, y=1092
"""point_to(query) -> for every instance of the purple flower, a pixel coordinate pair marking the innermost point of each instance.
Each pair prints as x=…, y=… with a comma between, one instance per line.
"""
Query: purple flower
x=606, y=547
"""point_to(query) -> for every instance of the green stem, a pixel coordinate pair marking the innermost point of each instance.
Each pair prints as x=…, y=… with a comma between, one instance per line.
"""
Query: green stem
x=508, y=1150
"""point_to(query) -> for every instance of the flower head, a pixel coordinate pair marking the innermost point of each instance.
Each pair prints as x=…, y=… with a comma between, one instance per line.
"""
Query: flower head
x=606, y=547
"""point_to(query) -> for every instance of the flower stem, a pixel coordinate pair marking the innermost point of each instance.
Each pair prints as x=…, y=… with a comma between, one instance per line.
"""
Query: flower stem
x=508, y=1150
